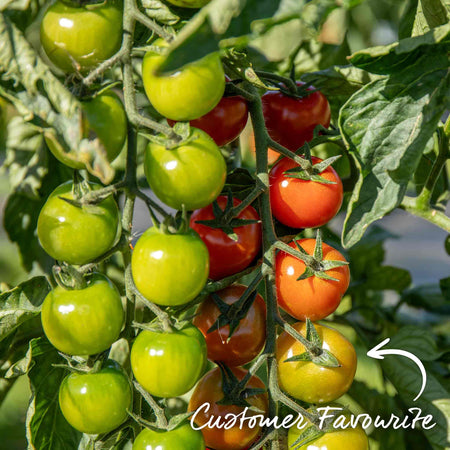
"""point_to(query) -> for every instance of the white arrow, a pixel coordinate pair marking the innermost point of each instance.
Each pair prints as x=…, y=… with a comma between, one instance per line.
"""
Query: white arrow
x=377, y=353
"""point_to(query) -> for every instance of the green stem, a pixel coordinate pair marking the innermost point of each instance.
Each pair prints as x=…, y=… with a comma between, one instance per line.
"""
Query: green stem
x=432, y=215
x=290, y=84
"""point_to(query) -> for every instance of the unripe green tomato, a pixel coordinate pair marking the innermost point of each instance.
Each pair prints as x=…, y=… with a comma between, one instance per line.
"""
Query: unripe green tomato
x=182, y=437
x=83, y=321
x=95, y=403
x=77, y=235
x=191, y=174
x=187, y=94
x=78, y=37
x=105, y=116
x=170, y=269
x=348, y=439
x=157, y=356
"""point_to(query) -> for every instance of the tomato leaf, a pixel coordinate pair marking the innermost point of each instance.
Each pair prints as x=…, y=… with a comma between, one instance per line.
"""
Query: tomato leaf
x=387, y=125
x=430, y=14
x=21, y=303
x=160, y=12
x=46, y=426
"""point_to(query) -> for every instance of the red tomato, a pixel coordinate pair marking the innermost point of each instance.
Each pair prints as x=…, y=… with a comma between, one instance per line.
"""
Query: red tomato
x=225, y=122
x=302, y=203
x=314, y=297
x=209, y=391
x=226, y=256
x=291, y=121
x=248, y=338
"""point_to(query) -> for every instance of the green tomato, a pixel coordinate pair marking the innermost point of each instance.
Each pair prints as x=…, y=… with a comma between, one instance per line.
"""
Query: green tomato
x=350, y=438
x=105, y=116
x=78, y=37
x=83, y=321
x=168, y=364
x=182, y=437
x=192, y=174
x=77, y=235
x=95, y=403
x=187, y=94
x=170, y=269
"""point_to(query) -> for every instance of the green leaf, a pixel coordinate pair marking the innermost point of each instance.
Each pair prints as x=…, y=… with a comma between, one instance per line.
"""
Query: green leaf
x=429, y=297
x=405, y=376
x=159, y=11
x=21, y=303
x=430, y=14
x=387, y=277
x=46, y=426
x=387, y=125
x=220, y=19
x=399, y=55
x=41, y=98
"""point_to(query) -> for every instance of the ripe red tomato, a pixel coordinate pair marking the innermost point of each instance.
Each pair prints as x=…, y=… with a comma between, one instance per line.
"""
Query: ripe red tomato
x=209, y=391
x=302, y=203
x=310, y=382
x=226, y=256
x=248, y=338
x=313, y=297
x=291, y=121
x=225, y=122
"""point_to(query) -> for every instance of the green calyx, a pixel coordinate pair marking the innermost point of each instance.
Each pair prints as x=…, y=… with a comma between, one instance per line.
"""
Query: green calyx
x=312, y=172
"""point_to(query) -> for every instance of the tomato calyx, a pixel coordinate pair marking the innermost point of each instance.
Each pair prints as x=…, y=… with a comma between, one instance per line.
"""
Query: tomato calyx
x=234, y=390
x=315, y=352
x=311, y=434
x=232, y=315
x=313, y=171
x=68, y=277
x=225, y=220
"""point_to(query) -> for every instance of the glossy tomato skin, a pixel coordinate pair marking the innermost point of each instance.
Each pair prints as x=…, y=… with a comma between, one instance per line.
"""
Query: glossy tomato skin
x=291, y=121
x=182, y=437
x=83, y=321
x=170, y=269
x=227, y=256
x=189, y=3
x=105, y=116
x=209, y=390
x=192, y=174
x=350, y=438
x=168, y=364
x=248, y=338
x=313, y=297
x=307, y=381
x=81, y=37
x=302, y=203
x=95, y=403
x=187, y=94
x=77, y=235
x=225, y=122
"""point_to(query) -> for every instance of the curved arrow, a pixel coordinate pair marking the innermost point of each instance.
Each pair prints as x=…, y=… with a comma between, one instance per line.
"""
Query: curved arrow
x=377, y=353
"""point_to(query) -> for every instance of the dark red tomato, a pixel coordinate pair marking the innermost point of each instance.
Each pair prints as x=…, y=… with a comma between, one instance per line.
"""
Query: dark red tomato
x=302, y=203
x=225, y=122
x=226, y=256
x=291, y=121
x=247, y=339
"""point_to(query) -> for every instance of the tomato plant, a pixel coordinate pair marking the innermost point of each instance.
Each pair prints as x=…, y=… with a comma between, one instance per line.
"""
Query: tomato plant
x=156, y=358
x=314, y=297
x=70, y=31
x=300, y=203
x=170, y=269
x=135, y=208
x=290, y=120
x=67, y=313
x=247, y=339
x=311, y=382
x=84, y=398
x=74, y=234
x=188, y=93
x=225, y=122
x=209, y=390
x=228, y=255
x=183, y=436
x=190, y=175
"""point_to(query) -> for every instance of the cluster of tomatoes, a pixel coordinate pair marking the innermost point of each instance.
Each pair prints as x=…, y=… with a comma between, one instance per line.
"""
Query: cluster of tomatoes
x=170, y=268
